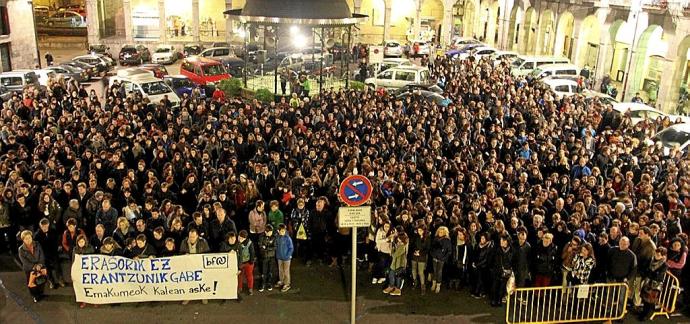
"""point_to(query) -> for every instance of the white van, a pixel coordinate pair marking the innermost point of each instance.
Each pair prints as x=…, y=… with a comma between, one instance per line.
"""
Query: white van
x=148, y=86
x=674, y=136
x=398, y=77
x=562, y=87
x=523, y=65
x=558, y=70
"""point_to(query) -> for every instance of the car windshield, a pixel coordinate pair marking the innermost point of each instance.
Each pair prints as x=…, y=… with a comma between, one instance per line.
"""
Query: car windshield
x=180, y=83
x=671, y=137
x=536, y=72
x=216, y=69
x=163, y=50
x=155, y=88
x=518, y=62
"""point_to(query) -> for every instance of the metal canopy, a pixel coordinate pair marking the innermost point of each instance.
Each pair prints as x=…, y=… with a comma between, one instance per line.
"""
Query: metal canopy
x=321, y=13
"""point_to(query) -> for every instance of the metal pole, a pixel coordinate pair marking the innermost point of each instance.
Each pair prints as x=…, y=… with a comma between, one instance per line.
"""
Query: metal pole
x=353, y=306
x=347, y=57
x=321, y=67
x=275, y=52
x=246, y=53
x=630, y=58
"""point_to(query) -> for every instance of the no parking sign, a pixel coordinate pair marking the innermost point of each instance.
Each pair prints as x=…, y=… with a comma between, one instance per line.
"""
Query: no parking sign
x=355, y=190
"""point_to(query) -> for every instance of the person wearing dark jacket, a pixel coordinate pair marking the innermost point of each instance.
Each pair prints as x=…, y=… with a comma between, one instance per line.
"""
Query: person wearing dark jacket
x=96, y=240
x=267, y=255
x=32, y=260
x=420, y=252
x=246, y=260
x=601, y=254
x=220, y=227
x=481, y=265
x=47, y=237
x=441, y=250
x=193, y=244
x=502, y=266
x=461, y=259
x=622, y=262
x=523, y=252
x=653, y=278
x=544, y=261
x=644, y=248
x=143, y=249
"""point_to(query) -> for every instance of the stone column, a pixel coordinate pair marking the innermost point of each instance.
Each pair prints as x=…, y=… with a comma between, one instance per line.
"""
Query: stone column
x=669, y=92
x=447, y=27
x=162, y=25
x=357, y=6
x=417, y=25
x=195, y=21
x=228, y=23
x=127, y=9
x=92, y=28
x=387, y=20
x=504, y=26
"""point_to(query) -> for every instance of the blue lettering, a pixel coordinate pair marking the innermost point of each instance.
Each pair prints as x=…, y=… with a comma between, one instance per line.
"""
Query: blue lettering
x=166, y=264
x=153, y=264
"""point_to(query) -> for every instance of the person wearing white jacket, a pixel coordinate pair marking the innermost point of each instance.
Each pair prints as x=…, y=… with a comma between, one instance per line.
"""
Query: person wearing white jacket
x=384, y=238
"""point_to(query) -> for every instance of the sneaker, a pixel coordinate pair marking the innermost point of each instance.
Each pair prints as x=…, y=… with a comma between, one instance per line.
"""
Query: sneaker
x=204, y=301
x=285, y=288
x=270, y=288
x=278, y=285
x=373, y=281
x=261, y=289
x=35, y=300
x=396, y=292
x=251, y=292
x=381, y=280
x=185, y=302
x=388, y=290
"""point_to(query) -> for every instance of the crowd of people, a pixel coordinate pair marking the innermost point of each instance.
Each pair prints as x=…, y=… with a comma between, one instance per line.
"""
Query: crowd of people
x=505, y=183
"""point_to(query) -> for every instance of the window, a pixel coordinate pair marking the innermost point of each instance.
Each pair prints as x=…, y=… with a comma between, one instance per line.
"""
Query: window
x=155, y=88
x=529, y=66
x=221, y=52
x=187, y=66
x=404, y=76
x=4, y=21
x=424, y=76
x=566, y=72
x=562, y=88
x=206, y=53
x=386, y=75
x=211, y=70
x=12, y=81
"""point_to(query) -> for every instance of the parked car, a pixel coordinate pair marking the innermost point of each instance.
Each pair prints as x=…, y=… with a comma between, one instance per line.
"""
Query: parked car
x=70, y=72
x=398, y=77
x=203, y=71
x=74, y=7
x=220, y=54
x=165, y=54
x=428, y=95
x=17, y=80
x=148, y=86
x=102, y=65
x=421, y=48
x=66, y=19
x=90, y=70
x=499, y=56
x=5, y=94
x=134, y=54
x=602, y=97
x=462, y=41
x=235, y=66
x=44, y=75
x=546, y=70
x=100, y=49
x=182, y=84
x=159, y=71
x=192, y=49
x=416, y=86
x=392, y=49
x=639, y=112
x=562, y=87
x=462, y=51
x=677, y=135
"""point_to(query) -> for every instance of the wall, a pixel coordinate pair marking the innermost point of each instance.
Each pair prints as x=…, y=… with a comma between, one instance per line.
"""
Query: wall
x=22, y=36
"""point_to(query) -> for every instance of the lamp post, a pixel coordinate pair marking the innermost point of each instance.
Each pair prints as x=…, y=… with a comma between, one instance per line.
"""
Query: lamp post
x=33, y=17
x=635, y=9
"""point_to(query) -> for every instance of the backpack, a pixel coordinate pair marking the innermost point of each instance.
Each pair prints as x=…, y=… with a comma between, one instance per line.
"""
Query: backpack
x=245, y=255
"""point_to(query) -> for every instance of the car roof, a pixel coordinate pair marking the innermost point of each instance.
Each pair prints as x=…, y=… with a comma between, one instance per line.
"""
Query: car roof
x=408, y=68
x=558, y=66
x=684, y=127
x=500, y=52
x=217, y=47
x=557, y=82
x=479, y=48
x=634, y=106
x=203, y=61
x=395, y=60
x=176, y=76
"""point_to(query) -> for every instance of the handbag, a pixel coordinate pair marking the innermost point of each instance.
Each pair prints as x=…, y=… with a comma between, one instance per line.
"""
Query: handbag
x=301, y=232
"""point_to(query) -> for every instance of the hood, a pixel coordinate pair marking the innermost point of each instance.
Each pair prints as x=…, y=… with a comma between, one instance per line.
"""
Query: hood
x=166, y=54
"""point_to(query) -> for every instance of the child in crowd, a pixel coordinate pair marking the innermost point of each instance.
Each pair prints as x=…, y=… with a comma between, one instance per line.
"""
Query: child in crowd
x=284, y=250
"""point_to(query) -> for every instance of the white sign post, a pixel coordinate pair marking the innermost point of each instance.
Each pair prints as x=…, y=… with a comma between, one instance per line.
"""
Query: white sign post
x=354, y=217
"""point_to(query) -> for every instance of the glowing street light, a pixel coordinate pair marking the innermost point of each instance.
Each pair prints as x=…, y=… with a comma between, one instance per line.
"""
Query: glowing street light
x=299, y=41
x=294, y=30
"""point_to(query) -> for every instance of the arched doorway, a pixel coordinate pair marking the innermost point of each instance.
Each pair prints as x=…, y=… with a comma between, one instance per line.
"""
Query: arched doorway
x=564, y=35
x=546, y=35
x=516, y=28
x=645, y=72
x=470, y=19
x=620, y=34
x=488, y=21
x=678, y=98
x=528, y=44
x=432, y=19
x=588, y=42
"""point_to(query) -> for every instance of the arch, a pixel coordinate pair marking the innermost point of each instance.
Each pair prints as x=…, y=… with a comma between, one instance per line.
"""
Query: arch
x=588, y=41
x=640, y=59
x=516, y=27
x=489, y=13
x=528, y=44
x=681, y=76
x=545, y=38
x=618, y=51
x=470, y=18
x=563, y=45
x=432, y=16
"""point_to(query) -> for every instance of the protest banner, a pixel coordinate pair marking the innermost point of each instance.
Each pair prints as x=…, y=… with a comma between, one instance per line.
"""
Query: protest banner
x=102, y=279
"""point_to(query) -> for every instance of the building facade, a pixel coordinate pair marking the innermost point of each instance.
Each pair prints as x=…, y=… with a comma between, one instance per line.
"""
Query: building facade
x=632, y=41
x=17, y=36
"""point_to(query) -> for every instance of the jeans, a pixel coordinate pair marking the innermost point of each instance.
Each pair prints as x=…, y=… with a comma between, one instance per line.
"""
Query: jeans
x=284, y=272
x=268, y=272
x=418, y=270
x=394, y=280
x=438, y=270
x=384, y=261
x=247, y=271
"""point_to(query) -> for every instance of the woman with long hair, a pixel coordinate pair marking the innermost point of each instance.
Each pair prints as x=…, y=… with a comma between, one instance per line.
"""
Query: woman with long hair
x=583, y=263
x=441, y=250
x=398, y=267
x=421, y=245
x=384, y=239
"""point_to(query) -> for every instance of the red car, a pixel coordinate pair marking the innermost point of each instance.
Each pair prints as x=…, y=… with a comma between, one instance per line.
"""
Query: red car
x=159, y=71
x=203, y=71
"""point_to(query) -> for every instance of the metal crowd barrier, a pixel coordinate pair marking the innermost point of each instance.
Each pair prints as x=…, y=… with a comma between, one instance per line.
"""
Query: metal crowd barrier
x=583, y=303
x=668, y=296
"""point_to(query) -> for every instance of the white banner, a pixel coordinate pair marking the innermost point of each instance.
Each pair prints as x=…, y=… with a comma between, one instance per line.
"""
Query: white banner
x=102, y=279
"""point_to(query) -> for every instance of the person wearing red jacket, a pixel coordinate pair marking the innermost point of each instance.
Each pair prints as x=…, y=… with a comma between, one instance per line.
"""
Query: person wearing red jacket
x=219, y=95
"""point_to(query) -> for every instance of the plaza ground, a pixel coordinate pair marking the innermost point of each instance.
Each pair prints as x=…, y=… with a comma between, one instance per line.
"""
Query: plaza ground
x=319, y=294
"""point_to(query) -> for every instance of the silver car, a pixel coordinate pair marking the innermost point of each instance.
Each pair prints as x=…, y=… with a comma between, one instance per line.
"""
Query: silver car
x=69, y=19
x=70, y=72
x=392, y=49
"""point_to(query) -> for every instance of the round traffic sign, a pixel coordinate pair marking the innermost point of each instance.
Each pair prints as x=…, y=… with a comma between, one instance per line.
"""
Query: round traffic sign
x=376, y=51
x=355, y=190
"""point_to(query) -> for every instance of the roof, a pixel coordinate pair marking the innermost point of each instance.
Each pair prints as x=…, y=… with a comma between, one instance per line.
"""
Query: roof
x=558, y=66
x=633, y=106
x=685, y=127
x=301, y=12
x=557, y=82
x=201, y=60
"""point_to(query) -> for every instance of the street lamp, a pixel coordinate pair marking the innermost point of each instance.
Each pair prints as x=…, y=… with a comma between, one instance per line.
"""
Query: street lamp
x=635, y=9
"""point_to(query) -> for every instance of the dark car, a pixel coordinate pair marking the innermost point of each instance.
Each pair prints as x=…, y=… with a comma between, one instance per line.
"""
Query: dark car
x=235, y=66
x=90, y=70
x=192, y=49
x=159, y=71
x=70, y=72
x=100, y=49
x=134, y=55
x=182, y=84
